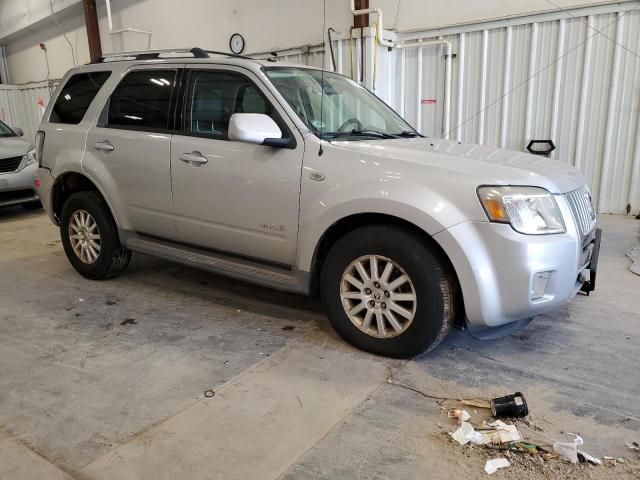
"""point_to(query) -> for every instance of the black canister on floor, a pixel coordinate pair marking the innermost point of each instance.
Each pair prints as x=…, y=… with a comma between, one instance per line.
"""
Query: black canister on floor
x=511, y=406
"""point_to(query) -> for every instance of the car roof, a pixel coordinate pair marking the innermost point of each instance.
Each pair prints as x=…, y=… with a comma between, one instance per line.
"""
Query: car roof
x=123, y=60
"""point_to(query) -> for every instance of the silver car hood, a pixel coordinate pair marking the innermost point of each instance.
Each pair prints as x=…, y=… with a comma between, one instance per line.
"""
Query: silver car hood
x=489, y=165
x=13, y=147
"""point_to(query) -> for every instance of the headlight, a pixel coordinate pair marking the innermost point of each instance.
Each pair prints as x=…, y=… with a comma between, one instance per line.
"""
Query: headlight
x=529, y=210
x=30, y=157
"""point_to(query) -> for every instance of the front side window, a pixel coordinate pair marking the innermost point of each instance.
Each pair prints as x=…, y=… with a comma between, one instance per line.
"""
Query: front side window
x=76, y=96
x=334, y=106
x=5, y=131
x=142, y=100
x=213, y=96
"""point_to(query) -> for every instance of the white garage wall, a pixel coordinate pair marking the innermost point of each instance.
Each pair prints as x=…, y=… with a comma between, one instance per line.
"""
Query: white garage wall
x=266, y=24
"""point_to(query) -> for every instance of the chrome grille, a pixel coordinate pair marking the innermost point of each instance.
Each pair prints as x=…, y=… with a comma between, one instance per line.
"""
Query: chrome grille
x=582, y=208
x=9, y=164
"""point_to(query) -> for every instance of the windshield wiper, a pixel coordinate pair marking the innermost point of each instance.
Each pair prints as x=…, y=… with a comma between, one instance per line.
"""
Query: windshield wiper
x=359, y=133
x=408, y=134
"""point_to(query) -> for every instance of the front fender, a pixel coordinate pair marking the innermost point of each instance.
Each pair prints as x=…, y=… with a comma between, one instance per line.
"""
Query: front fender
x=412, y=202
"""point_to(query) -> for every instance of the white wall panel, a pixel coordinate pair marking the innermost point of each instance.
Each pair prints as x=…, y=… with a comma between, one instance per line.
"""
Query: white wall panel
x=19, y=106
x=561, y=78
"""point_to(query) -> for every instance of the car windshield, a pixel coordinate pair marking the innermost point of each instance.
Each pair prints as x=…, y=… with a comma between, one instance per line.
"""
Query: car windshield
x=340, y=109
x=5, y=131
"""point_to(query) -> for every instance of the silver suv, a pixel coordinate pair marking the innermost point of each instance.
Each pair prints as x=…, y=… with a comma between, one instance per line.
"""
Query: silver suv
x=303, y=180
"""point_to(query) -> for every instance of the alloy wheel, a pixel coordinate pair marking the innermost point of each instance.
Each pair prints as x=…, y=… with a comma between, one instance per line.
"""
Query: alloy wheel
x=84, y=235
x=378, y=296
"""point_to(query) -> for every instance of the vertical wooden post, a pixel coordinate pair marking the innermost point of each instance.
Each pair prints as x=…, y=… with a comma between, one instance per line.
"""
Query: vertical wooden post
x=93, y=31
x=361, y=21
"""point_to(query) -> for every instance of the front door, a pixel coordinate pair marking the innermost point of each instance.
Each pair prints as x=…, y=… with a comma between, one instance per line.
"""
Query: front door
x=234, y=197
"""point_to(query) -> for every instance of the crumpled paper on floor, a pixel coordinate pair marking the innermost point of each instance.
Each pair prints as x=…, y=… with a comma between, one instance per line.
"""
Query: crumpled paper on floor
x=493, y=465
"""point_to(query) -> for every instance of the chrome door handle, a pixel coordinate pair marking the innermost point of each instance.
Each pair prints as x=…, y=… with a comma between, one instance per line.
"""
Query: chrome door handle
x=194, y=158
x=105, y=146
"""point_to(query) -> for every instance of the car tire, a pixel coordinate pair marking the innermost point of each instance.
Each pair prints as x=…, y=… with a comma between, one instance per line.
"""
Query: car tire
x=98, y=253
x=422, y=322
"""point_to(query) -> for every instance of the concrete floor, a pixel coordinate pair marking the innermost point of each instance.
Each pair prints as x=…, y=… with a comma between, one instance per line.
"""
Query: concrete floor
x=106, y=380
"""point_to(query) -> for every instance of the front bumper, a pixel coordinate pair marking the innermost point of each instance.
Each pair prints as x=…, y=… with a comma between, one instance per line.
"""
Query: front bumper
x=46, y=182
x=18, y=187
x=498, y=269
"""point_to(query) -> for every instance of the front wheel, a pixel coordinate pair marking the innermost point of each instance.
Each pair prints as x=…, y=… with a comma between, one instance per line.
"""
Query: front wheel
x=385, y=291
x=90, y=237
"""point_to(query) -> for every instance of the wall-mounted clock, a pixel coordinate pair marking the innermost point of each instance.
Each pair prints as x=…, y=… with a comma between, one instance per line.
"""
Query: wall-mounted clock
x=236, y=43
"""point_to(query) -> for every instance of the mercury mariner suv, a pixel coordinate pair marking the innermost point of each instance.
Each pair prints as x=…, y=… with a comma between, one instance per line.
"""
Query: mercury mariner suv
x=302, y=180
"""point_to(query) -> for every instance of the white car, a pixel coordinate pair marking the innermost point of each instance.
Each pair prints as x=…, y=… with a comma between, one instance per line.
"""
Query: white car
x=303, y=180
x=18, y=168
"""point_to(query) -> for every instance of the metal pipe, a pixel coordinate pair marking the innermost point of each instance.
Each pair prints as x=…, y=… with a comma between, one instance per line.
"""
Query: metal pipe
x=4, y=69
x=447, y=91
x=419, y=87
x=448, y=79
x=379, y=23
x=122, y=30
x=461, y=67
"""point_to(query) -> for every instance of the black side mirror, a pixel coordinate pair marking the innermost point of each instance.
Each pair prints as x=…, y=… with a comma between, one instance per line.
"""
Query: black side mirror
x=19, y=131
x=277, y=142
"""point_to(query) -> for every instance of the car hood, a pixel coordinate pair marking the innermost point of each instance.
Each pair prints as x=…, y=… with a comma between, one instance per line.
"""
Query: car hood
x=13, y=147
x=489, y=165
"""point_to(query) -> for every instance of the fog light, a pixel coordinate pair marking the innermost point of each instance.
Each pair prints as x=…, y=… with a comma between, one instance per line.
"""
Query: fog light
x=539, y=285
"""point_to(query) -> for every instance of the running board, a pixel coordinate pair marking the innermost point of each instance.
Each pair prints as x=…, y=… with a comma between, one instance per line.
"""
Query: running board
x=294, y=280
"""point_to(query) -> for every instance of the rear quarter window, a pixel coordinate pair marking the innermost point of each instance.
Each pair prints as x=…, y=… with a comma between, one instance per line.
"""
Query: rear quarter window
x=76, y=96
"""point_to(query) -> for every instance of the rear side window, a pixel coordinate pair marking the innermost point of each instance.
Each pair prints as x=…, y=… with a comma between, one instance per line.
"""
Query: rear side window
x=141, y=101
x=76, y=96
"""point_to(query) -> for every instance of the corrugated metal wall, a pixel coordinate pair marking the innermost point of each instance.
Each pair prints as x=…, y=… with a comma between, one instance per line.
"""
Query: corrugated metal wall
x=19, y=106
x=560, y=80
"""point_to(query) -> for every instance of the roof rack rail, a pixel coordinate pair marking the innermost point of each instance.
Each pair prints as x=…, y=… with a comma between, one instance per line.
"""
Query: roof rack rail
x=194, y=52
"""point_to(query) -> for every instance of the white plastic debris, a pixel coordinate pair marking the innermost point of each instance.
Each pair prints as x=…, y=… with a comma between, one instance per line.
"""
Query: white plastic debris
x=466, y=433
x=633, y=446
x=569, y=451
x=586, y=458
x=504, y=433
x=461, y=415
x=461, y=434
x=492, y=466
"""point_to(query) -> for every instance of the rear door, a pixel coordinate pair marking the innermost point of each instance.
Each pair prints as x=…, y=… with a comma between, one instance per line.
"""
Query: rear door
x=240, y=198
x=130, y=148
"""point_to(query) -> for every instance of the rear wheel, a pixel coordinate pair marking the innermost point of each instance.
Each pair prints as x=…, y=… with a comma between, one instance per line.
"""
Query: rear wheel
x=90, y=237
x=386, y=292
